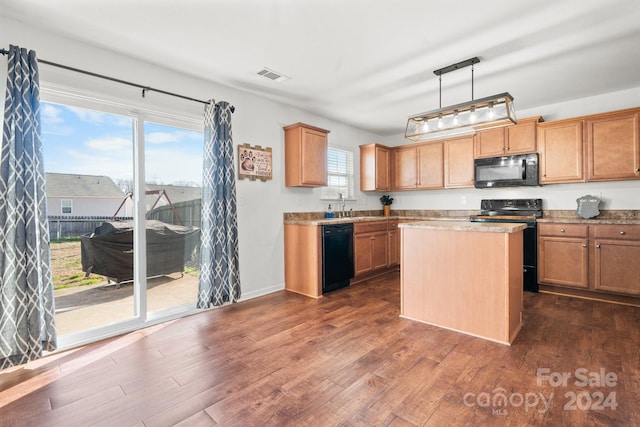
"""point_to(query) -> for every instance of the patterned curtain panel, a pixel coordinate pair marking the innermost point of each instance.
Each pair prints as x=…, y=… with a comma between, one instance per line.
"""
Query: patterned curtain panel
x=27, y=310
x=219, y=264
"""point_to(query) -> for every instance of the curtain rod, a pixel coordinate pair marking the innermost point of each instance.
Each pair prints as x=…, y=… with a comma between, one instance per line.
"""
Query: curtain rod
x=145, y=89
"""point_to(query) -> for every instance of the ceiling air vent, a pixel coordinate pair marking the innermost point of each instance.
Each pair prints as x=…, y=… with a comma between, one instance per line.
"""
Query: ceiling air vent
x=272, y=75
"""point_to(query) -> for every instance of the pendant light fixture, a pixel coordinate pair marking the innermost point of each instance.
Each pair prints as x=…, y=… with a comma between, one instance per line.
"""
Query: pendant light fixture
x=484, y=113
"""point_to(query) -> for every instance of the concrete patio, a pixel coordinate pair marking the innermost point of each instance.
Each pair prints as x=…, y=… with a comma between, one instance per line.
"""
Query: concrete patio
x=85, y=307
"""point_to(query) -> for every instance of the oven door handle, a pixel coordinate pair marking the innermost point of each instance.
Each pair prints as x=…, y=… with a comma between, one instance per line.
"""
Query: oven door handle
x=524, y=169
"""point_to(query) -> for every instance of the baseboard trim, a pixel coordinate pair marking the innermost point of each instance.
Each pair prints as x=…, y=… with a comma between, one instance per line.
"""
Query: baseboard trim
x=588, y=295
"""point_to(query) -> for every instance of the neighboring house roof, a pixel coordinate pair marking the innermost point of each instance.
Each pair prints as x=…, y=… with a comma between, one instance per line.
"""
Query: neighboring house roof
x=73, y=185
x=176, y=193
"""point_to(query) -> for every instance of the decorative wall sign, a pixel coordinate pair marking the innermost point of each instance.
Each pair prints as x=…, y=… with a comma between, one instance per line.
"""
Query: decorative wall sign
x=254, y=162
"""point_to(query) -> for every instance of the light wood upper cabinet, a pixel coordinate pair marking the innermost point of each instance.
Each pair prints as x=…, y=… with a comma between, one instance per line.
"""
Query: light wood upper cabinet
x=431, y=165
x=522, y=138
x=613, y=147
x=561, y=151
x=599, y=147
x=375, y=168
x=405, y=165
x=418, y=166
x=508, y=140
x=491, y=143
x=305, y=155
x=458, y=162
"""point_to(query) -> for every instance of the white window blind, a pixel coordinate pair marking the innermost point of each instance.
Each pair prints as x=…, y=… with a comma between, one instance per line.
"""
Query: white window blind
x=339, y=175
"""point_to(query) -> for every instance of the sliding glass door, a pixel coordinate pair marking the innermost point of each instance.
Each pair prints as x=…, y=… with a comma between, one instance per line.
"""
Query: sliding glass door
x=123, y=197
x=88, y=158
x=173, y=183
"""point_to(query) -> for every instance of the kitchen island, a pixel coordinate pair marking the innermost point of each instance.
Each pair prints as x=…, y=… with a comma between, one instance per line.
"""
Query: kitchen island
x=463, y=276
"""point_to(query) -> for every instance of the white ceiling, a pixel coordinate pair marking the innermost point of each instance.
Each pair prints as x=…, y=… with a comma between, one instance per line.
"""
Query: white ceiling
x=363, y=62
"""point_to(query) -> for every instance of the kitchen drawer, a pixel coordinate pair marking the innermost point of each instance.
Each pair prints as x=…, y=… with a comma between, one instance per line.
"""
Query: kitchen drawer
x=626, y=232
x=563, y=230
x=369, y=227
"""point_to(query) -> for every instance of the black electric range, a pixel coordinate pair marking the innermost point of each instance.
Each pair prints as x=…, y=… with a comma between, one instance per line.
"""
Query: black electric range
x=519, y=211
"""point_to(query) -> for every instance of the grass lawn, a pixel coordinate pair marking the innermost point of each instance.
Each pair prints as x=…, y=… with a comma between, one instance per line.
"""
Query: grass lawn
x=67, y=267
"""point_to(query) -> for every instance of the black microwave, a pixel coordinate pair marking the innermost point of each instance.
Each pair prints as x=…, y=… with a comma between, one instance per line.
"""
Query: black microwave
x=506, y=171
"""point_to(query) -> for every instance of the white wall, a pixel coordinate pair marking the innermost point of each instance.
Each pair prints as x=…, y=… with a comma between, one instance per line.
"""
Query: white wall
x=256, y=121
x=614, y=195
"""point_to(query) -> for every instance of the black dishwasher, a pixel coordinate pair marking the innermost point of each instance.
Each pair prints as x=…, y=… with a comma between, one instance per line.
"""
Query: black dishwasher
x=337, y=256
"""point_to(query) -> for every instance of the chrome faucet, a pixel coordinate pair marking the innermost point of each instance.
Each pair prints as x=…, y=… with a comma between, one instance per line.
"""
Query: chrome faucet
x=342, y=203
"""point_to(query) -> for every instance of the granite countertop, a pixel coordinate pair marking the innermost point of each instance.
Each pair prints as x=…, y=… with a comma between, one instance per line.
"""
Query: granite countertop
x=485, y=227
x=566, y=220
x=346, y=220
x=615, y=217
x=594, y=221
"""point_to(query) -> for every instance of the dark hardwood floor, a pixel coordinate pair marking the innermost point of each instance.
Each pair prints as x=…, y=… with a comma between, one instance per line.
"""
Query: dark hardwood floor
x=346, y=359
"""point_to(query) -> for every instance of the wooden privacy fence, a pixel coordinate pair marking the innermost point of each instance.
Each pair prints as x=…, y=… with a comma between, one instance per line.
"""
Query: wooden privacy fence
x=188, y=211
x=65, y=227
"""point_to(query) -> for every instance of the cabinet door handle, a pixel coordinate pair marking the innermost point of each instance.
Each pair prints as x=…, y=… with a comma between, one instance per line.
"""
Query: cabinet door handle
x=637, y=169
x=622, y=233
x=562, y=230
x=598, y=246
x=584, y=246
x=373, y=237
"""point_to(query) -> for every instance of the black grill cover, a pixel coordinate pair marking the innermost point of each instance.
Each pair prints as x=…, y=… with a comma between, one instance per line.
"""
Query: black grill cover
x=108, y=251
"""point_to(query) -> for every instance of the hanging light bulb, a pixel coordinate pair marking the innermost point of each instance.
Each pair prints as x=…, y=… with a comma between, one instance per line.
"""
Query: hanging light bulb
x=425, y=125
x=472, y=115
x=455, y=118
x=491, y=115
x=440, y=124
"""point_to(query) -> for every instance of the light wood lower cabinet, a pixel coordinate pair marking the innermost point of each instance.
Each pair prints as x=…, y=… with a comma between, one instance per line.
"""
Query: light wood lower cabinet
x=616, y=258
x=394, y=242
x=602, y=258
x=370, y=251
x=375, y=247
x=370, y=246
x=303, y=259
x=563, y=261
